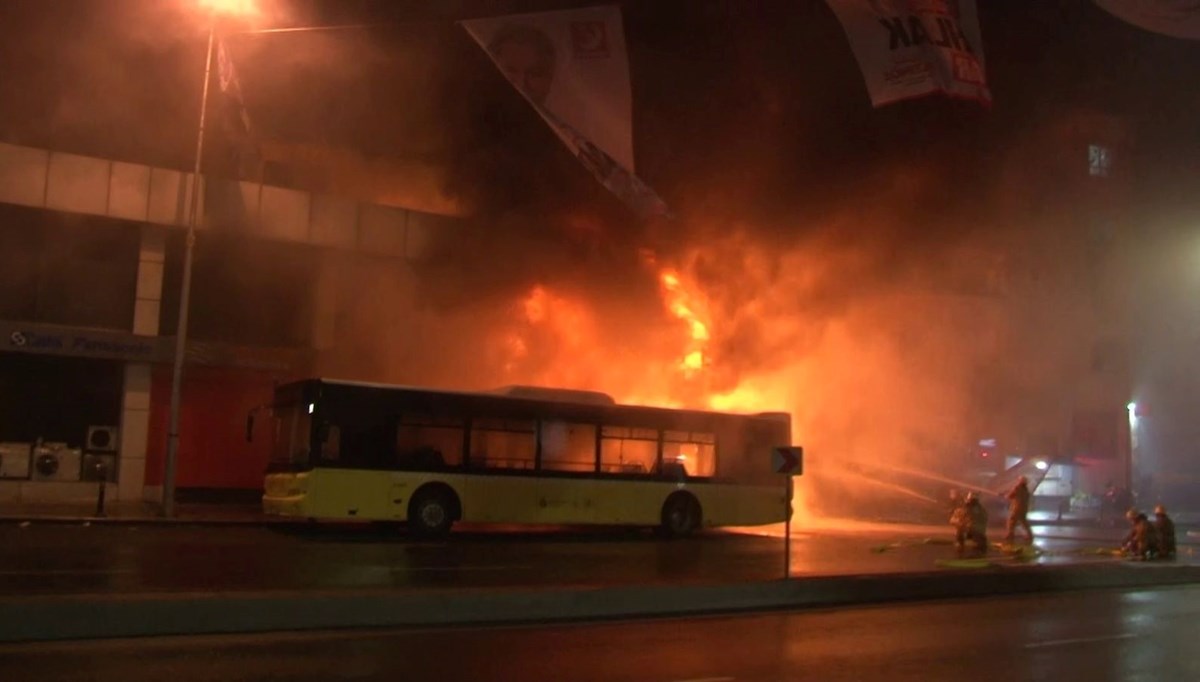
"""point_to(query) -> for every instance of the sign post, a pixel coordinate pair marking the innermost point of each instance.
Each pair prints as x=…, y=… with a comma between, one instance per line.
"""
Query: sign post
x=787, y=460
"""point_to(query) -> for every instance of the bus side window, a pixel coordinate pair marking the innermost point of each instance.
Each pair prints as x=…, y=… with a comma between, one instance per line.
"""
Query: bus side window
x=674, y=470
x=626, y=450
x=329, y=442
x=568, y=446
x=503, y=444
x=429, y=442
x=747, y=455
x=694, y=452
x=369, y=446
x=738, y=453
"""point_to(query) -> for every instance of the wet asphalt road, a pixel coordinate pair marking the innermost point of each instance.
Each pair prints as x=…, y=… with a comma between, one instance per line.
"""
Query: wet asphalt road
x=1093, y=636
x=65, y=559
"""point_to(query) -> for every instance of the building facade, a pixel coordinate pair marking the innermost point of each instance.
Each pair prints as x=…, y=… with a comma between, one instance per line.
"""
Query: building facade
x=91, y=255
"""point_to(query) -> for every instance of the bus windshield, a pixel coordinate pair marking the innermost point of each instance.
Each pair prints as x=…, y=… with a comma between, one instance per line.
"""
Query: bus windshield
x=292, y=437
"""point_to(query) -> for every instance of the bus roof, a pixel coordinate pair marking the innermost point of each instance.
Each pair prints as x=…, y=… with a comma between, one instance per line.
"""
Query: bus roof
x=538, y=394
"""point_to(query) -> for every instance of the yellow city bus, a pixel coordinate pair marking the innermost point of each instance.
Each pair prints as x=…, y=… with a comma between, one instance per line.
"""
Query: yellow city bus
x=518, y=455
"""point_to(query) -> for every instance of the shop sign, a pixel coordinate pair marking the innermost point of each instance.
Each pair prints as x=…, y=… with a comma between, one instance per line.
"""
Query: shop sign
x=53, y=340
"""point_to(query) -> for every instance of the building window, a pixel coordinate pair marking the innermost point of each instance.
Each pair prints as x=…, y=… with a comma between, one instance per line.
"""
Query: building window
x=66, y=269
x=244, y=291
x=1099, y=160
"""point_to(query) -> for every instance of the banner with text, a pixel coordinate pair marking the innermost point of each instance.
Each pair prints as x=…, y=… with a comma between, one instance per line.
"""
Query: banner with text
x=572, y=66
x=236, y=118
x=1178, y=18
x=911, y=48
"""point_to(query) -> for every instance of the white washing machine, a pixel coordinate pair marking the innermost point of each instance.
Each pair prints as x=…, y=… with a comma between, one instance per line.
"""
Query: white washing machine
x=14, y=460
x=56, y=462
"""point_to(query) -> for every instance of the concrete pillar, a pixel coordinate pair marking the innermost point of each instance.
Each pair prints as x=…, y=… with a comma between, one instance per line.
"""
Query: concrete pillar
x=135, y=400
x=135, y=428
x=148, y=297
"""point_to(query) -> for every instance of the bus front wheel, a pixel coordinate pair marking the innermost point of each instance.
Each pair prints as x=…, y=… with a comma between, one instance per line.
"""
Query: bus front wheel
x=431, y=513
x=680, y=516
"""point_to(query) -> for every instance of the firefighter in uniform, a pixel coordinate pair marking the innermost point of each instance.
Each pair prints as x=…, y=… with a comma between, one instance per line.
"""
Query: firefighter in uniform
x=1143, y=539
x=970, y=524
x=1166, y=532
x=1018, y=509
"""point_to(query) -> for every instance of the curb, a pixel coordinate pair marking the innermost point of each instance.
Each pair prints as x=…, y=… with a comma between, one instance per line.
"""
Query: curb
x=150, y=521
x=1188, y=538
x=28, y=619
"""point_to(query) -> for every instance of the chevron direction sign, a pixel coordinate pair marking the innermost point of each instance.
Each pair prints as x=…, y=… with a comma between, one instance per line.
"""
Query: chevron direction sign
x=787, y=459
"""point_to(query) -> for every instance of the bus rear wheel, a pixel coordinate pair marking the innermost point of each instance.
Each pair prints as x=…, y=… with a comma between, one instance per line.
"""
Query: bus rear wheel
x=431, y=513
x=680, y=516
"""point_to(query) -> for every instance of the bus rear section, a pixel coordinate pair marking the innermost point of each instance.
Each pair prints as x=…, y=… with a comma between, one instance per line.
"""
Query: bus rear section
x=433, y=458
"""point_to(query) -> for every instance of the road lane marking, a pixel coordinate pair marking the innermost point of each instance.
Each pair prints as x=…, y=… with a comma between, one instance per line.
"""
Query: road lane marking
x=70, y=571
x=1078, y=640
x=413, y=569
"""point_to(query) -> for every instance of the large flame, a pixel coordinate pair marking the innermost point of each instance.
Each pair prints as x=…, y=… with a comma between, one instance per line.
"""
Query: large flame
x=668, y=360
x=558, y=339
x=685, y=304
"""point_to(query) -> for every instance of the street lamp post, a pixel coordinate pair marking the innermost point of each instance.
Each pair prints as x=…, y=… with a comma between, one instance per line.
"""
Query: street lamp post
x=185, y=292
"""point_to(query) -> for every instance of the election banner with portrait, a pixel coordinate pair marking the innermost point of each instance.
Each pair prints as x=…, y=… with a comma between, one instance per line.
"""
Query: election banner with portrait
x=573, y=68
x=1177, y=18
x=912, y=48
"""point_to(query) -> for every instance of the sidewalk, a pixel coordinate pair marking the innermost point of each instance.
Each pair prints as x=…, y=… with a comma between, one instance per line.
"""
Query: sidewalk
x=232, y=513
x=1048, y=518
x=138, y=512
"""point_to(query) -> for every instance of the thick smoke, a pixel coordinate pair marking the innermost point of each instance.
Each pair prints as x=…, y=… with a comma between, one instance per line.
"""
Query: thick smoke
x=904, y=281
x=890, y=353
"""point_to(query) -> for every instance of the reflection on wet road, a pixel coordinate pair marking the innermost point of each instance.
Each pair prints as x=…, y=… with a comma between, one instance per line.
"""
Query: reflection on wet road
x=1106, y=635
x=51, y=558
